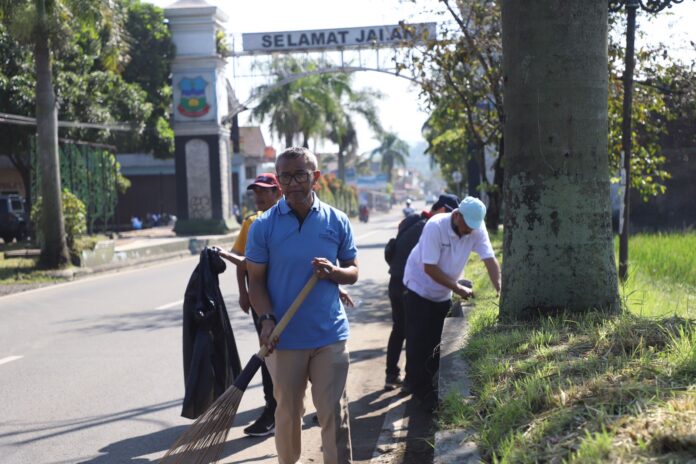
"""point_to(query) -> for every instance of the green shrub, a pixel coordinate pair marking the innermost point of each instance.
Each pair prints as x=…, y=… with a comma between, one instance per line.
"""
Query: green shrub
x=75, y=217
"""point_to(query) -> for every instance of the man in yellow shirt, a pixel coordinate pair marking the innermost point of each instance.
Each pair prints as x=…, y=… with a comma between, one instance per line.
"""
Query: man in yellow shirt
x=266, y=194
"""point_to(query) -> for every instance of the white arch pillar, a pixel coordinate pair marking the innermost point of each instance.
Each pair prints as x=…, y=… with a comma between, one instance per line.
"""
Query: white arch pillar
x=202, y=143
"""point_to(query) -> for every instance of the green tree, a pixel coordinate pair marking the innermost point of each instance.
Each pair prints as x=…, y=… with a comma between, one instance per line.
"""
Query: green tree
x=315, y=105
x=17, y=96
x=151, y=54
x=460, y=75
x=558, y=247
x=461, y=78
x=95, y=83
x=650, y=115
x=393, y=150
x=677, y=82
x=340, y=124
x=294, y=108
x=44, y=24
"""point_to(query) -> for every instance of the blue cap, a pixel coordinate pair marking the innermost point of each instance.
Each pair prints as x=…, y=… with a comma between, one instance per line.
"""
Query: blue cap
x=473, y=210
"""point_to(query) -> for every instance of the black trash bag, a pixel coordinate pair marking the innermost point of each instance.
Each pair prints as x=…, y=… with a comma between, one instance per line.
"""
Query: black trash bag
x=211, y=360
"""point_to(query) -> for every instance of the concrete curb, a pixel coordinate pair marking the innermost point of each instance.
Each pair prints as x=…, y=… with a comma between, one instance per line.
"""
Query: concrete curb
x=455, y=446
x=135, y=255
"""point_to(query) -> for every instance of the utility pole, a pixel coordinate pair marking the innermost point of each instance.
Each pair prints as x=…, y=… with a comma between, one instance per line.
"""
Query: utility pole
x=651, y=6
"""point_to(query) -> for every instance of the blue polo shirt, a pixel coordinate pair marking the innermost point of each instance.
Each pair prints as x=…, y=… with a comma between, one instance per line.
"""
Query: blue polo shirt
x=287, y=246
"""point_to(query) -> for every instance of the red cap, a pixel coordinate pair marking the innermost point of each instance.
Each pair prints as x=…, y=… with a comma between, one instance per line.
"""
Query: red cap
x=265, y=180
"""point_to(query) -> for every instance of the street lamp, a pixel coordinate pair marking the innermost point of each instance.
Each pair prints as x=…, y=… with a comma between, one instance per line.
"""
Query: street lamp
x=651, y=6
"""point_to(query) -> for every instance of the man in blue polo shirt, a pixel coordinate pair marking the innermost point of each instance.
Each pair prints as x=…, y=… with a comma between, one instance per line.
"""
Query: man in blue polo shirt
x=299, y=236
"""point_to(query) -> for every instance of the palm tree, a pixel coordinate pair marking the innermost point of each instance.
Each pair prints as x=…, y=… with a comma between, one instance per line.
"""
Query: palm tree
x=322, y=106
x=296, y=108
x=45, y=24
x=340, y=126
x=393, y=150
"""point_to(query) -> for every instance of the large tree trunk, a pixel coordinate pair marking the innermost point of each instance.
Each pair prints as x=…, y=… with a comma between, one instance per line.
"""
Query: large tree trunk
x=288, y=139
x=341, y=158
x=558, y=251
x=54, y=251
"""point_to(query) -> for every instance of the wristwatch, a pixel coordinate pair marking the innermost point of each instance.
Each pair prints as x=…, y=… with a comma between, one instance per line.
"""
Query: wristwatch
x=266, y=317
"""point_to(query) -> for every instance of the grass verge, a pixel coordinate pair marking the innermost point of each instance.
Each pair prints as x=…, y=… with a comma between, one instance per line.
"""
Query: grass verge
x=20, y=271
x=23, y=271
x=587, y=388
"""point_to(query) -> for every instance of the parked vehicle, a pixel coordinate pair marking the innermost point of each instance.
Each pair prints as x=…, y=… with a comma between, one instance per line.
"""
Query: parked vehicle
x=13, y=218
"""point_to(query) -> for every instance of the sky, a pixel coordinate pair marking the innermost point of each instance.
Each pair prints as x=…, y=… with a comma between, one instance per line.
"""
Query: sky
x=400, y=109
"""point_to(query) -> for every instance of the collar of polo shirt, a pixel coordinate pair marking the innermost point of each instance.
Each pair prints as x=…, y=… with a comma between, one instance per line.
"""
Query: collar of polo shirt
x=284, y=208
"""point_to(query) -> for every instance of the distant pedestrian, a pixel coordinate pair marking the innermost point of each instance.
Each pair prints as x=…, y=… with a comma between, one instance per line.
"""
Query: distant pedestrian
x=409, y=232
x=431, y=275
x=408, y=210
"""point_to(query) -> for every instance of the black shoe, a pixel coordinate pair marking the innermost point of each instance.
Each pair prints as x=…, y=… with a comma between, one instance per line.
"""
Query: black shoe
x=264, y=425
x=406, y=389
x=392, y=382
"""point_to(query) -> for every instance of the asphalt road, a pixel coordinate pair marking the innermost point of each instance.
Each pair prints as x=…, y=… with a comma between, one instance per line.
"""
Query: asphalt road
x=90, y=371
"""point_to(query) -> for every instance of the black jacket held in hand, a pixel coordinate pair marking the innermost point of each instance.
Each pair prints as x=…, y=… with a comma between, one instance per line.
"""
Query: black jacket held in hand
x=211, y=361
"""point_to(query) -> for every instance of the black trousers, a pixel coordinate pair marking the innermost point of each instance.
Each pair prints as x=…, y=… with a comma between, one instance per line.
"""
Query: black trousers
x=398, y=332
x=265, y=375
x=424, y=322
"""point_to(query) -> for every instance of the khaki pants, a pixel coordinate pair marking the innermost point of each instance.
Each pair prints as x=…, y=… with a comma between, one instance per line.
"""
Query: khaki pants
x=327, y=369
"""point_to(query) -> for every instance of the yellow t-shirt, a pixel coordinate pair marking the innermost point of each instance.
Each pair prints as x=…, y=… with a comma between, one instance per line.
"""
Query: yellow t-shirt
x=240, y=244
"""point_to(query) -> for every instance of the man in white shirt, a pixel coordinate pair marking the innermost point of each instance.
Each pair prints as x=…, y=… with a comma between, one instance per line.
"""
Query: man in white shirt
x=431, y=275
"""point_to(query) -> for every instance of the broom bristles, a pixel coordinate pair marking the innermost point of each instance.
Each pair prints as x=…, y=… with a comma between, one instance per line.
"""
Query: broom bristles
x=204, y=440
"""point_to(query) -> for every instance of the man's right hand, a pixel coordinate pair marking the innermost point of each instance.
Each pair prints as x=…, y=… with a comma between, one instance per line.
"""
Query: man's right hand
x=464, y=292
x=267, y=327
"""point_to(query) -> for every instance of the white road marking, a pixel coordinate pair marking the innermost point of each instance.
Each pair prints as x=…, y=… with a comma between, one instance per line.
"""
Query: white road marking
x=102, y=275
x=10, y=359
x=360, y=237
x=178, y=303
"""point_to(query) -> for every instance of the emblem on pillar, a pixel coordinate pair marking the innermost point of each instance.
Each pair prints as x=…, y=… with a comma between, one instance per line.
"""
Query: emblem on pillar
x=193, y=101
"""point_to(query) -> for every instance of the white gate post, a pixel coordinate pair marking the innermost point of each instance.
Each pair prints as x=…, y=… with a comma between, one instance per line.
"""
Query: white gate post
x=202, y=142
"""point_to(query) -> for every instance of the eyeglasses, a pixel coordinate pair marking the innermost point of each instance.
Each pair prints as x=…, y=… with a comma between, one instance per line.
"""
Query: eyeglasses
x=300, y=177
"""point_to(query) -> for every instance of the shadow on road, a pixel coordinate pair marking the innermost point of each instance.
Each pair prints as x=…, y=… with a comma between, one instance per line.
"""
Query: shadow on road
x=420, y=437
x=365, y=427
x=60, y=428
x=374, y=305
x=130, y=449
x=148, y=320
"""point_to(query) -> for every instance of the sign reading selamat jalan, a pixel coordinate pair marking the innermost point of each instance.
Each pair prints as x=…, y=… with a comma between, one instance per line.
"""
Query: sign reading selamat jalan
x=352, y=37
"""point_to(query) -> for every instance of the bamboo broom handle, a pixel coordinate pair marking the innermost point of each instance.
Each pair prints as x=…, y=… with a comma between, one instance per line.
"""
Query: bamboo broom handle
x=285, y=320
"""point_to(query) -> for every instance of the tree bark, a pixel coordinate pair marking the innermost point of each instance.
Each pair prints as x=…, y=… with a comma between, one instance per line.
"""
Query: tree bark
x=558, y=250
x=341, y=157
x=54, y=251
